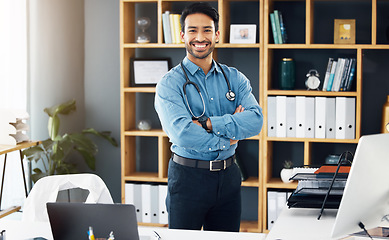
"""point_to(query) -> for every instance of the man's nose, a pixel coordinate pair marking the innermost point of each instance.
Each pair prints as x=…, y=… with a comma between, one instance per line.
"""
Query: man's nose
x=200, y=36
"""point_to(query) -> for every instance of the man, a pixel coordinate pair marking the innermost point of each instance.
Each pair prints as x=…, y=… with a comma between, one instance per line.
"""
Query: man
x=204, y=126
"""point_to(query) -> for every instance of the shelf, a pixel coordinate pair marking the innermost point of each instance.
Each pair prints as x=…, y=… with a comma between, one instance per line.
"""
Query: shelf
x=139, y=89
x=149, y=133
x=249, y=226
x=277, y=183
x=251, y=182
x=310, y=93
x=164, y=45
x=308, y=140
x=144, y=177
x=327, y=46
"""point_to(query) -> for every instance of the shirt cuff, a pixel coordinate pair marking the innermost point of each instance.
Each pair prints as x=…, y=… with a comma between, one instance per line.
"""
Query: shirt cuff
x=224, y=144
x=219, y=125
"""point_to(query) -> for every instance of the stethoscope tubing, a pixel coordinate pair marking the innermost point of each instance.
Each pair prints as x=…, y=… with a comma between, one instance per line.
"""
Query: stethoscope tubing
x=230, y=95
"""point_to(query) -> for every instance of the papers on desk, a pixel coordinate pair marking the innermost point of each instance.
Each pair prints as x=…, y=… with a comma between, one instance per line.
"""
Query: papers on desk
x=313, y=187
x=149, y=201
x=13, y=127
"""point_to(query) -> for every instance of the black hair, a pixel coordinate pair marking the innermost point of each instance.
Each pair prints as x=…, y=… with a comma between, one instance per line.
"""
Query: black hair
x=200, y=7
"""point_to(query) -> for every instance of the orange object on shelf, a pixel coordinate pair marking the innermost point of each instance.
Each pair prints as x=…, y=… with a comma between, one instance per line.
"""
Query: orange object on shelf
x=332, y=169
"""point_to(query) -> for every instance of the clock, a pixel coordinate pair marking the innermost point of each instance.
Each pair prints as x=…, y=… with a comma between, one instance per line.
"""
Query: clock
x=313, y=80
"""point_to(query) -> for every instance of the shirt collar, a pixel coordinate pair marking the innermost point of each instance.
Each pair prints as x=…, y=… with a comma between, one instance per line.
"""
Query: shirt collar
x=192, y=68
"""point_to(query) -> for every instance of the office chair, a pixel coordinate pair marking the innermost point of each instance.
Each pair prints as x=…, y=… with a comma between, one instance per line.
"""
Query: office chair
x=90, y=187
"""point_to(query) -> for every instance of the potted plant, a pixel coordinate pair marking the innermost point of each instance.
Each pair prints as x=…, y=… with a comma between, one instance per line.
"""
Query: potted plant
x=287, y=171
x=56, y=151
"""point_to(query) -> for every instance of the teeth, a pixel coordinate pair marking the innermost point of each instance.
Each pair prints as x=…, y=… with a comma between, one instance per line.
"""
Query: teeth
x=199, y=46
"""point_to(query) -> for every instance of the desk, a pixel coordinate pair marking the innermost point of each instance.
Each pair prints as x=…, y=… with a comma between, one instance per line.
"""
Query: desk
x=302, y=223
x=5, y=149
x=18, y=230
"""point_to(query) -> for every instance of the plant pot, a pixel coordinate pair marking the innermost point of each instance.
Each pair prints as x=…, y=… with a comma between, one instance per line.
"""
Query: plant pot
x=286, y=174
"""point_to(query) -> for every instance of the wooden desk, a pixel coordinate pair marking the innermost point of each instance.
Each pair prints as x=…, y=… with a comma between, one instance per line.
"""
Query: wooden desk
x=4, y=150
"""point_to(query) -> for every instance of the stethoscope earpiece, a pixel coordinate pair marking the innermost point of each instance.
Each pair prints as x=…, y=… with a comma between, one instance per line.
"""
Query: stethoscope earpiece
x=230, y=95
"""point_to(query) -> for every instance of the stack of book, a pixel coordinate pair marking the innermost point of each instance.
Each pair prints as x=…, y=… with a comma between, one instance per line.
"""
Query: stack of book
x=13, y=127
x=171, y=27
x=278, y=27
x=339, y=74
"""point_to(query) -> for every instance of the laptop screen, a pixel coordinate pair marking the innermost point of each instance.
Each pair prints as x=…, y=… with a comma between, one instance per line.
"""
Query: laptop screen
x=71, y=221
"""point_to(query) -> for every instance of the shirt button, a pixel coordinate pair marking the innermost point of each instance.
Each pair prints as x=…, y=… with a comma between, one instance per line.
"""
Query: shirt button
x=211, y=98
x=224, y=146
x=209, y=149
x=218, y=132
x=233, y=137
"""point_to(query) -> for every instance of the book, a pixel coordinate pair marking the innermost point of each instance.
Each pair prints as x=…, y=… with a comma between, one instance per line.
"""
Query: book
x=345, y=74
x=166, y=27
x=338, y=75
x=172, y=28
x=177, y=28
x=274, y=29
x=278, y=28
x=352, y=74
x=332, y=75
x=327, y=74
x=282, y=27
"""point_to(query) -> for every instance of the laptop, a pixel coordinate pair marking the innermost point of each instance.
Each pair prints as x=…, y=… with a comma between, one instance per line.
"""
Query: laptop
x=71, y=221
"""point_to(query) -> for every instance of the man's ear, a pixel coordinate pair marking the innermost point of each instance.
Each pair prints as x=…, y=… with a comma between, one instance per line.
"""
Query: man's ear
x=182, y=36
x=217, y=36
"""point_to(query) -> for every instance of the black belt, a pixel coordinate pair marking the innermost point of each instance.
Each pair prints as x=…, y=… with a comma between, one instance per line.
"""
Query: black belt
x=215, y=165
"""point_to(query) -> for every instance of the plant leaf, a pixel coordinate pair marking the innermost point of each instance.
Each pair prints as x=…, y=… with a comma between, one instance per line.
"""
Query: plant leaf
x=38, y=174
x=89, y=158
x=63, y=108
x=34, y=153
x=82, y=141
x=53, y=127
x=105, y=134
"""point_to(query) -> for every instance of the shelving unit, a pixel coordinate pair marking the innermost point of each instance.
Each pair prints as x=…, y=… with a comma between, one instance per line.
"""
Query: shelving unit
x=270, y=181
x=305, y=38
x=128, y=50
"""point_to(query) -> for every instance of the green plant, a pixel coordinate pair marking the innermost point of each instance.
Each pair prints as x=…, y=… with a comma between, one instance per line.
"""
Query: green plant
x=56, y=151
x=288, y=164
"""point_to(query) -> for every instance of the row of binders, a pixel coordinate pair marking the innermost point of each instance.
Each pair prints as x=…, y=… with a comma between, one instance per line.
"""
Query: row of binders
x=311, y=117
x=171, y=27
x=278, y=27
x=339, y=74
x=149, y=201
x=13, y=126
x=276, y=201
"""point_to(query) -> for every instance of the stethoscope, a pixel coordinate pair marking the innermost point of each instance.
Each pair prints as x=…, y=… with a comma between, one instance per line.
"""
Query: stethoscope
x=230, y=95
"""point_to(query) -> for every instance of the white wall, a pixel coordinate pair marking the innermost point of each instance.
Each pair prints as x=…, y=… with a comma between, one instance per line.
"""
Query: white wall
x=74, y=53
x=56, y=58
x=102, y=85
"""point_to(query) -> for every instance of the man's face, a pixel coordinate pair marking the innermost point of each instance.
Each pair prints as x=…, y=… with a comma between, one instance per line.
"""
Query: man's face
x=200, y=36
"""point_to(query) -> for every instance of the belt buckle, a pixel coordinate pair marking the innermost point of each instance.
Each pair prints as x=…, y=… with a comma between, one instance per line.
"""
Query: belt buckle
x=212, y=169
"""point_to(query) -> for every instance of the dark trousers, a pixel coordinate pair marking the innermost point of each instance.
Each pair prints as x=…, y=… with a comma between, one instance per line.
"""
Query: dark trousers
x=200, y=198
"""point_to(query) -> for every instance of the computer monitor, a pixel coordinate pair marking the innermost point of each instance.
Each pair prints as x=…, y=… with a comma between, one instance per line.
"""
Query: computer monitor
x=366, y=194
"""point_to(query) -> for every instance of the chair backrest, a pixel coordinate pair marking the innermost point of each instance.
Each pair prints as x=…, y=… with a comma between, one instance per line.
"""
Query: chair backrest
x=47, y=189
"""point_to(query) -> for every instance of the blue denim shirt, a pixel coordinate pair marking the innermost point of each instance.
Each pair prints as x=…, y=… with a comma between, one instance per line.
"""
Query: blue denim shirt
x=192, y=141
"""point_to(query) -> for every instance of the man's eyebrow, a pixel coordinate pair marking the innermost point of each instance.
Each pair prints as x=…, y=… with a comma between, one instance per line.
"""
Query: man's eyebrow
x=194, y=27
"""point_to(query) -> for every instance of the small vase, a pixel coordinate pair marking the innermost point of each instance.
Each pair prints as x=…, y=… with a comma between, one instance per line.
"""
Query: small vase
x=286, y=174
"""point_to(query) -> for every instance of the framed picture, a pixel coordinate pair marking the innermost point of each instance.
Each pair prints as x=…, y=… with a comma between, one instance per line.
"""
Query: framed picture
x=344, y=31
x=243, y=33
x=147, y=72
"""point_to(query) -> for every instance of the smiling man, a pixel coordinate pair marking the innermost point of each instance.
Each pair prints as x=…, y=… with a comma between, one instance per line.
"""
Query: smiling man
x=205, y=108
